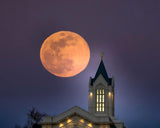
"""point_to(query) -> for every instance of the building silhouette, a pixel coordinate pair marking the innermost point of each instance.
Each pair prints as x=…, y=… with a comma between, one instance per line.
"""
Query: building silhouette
x=100, y=112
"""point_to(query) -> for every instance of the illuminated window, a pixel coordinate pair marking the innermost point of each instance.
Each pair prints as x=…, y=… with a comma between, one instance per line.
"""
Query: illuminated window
x=90, y=125
x=97, y=99
x=69, y=120
x=100, y=100
x=82, y=121
x=97, y=107
x=61, y=125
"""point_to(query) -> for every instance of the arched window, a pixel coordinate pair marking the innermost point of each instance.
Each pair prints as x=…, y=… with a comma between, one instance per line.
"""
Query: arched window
x=100, y=100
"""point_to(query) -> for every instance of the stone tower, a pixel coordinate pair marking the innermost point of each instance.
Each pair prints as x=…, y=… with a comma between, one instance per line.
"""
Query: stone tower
x=101, y=93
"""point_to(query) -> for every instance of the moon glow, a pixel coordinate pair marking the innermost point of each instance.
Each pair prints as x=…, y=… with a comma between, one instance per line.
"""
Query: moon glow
x=65, y=54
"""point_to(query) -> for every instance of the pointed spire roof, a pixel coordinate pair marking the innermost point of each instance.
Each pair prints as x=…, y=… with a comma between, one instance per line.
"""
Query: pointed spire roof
x=102, y=70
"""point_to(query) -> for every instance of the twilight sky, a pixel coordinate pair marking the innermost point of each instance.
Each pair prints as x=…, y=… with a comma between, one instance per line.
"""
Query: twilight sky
x=127, y=31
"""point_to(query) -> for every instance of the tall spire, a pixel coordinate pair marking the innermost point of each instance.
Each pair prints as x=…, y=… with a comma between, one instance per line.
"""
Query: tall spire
x=101, y=70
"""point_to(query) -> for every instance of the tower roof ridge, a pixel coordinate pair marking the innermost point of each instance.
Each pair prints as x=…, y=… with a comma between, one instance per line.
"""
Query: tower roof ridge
x=102, y=70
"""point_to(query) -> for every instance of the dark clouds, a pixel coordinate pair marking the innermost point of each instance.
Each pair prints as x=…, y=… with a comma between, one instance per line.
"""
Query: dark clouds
x=126, y=31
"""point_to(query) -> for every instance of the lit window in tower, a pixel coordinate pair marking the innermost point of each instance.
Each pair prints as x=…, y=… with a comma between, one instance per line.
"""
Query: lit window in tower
x=103, y=107
x=100, y=100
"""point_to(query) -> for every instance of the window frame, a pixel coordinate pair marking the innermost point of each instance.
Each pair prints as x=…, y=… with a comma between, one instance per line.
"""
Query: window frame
x=100, y=100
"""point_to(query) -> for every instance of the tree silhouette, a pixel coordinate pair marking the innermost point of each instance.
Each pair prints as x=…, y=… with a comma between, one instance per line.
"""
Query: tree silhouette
x=34, y=117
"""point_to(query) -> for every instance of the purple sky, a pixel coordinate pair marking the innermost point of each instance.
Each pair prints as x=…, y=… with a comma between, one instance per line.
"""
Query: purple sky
x=127, y=31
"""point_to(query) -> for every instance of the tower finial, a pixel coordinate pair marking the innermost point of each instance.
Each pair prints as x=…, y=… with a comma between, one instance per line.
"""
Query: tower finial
x=101, y=55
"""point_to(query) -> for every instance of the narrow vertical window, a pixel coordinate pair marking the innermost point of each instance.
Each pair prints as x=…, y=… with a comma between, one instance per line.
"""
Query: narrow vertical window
x=100, y=100
x=103, y=98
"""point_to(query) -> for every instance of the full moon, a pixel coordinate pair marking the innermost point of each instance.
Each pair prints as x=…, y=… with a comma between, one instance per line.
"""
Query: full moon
x=65, y=54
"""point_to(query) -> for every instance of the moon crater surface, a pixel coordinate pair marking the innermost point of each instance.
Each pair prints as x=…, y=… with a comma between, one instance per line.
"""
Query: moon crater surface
x=65, y=54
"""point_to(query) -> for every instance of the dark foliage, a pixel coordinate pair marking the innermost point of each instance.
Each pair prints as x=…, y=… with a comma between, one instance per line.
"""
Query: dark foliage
x=34, y=117
x=36, y=126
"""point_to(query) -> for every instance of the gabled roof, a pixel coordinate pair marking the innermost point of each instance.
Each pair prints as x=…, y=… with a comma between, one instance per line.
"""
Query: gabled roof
x=102, y=70
x=80, y=112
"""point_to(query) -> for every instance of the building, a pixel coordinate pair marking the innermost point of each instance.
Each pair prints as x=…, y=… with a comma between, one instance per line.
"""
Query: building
x=100, y=112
